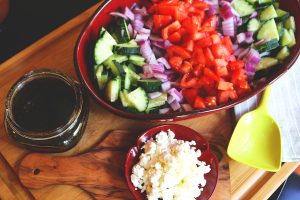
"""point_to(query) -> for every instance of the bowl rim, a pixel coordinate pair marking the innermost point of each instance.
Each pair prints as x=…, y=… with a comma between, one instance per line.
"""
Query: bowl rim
x=139, y=142
x=173, y=116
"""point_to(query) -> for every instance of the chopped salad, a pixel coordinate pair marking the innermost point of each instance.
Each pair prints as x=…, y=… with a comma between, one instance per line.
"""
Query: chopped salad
x=180, y=55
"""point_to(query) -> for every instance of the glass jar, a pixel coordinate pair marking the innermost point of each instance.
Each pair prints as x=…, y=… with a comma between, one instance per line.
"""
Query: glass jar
x=46, y=111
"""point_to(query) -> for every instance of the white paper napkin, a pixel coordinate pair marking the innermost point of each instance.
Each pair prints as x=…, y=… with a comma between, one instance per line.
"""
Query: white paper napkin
x=284, y=106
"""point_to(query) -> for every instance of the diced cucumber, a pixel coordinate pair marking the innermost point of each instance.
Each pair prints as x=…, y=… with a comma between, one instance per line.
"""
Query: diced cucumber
x=281, y=15
x=290, y=23
x=110, y=63
x=132, y=67
x=253, y=25
x=243, y=7
x=268, y=13
x=265, y=1
x=130, y=78
x=138, y=99
x=266, y=62
x=252, y=1
x=103, y=47
x=124, y=98
x=283, y=53
x=293, y=41
x=102, y=77
x=286, y=38
x=113, y=88
x=268, y=46
x=126, y=50
x=280, y=28
x=157, y=102
x=276, y=4
x=120, y=31
x=137, y=60
x=268, y=31
x=150, y=85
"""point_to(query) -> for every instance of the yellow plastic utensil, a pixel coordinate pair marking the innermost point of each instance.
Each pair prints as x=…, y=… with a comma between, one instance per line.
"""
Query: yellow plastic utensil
x=256, y=140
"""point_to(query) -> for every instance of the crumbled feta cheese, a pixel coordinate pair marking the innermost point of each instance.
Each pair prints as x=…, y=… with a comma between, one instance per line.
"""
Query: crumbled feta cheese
x=169, y=169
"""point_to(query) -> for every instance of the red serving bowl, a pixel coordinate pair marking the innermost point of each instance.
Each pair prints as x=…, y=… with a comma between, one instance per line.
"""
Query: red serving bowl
x=83, y=58
x=182, y=133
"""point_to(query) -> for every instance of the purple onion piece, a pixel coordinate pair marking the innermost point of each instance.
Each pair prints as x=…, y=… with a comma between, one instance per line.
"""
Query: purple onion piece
x=118, y=14
x=164, y=61
x=129, y=14
x=147, y=52
x=165, y=86
x=154, y=95
x=175, y=105
x=156, y=38
x=254, y=14
x=164, y=110
x=176, y=94
x=228, y=27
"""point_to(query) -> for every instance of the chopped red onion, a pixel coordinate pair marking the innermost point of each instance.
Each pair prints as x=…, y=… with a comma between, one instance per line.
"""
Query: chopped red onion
x=226, y=11
x=129, y=14
x=238, y=21
x=212, y=2
x=149, y=23
x=170, y=99
x=168, y=43
x=145, y=31
x=154, y=95
x=165, y=86
x=186, y=107
x=249, y=67
x=243, y=53
x=138, y=17
x=241, y=37
x=156, y=38
x=235, y=46
x=157, y=68
x=228, y=27
x=254, y=14
x=141, y=11
x=164, y=61
x=147, y=52
x=118, y=14
x=164, y=110
x=137, y=24
x=158, y=52
x=175, y=105
x=141, y=37
x=160, y=76
x=176, y=94
x=212, y=10
x=252, y=56
x=147, y=71
x=267, y=53
x=158, y=44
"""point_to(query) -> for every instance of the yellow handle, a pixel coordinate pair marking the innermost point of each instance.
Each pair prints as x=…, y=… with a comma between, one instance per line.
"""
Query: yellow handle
x=264, y=102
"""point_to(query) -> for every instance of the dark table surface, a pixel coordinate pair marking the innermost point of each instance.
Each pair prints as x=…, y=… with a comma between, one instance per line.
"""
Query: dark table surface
x=29, y=20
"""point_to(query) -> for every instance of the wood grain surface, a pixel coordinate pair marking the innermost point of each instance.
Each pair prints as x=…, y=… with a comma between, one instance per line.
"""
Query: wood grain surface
x=56, y=51
x=100, y=171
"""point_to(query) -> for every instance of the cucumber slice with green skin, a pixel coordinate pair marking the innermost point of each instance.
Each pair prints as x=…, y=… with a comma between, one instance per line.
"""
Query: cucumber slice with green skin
x=268, y=13
x=252, y=1
x=253, y=25
x=103, y=47
x=102, y=77
x=110, y=63
x=138, y=99
x=281, y=15
x=117, y=68
x=124, y=98
x=113, y=89
x=276, y=4
x=266, y=63
x=265, y=1
x=293, y=41
x=290, y=23
x=137, y=60
x=268, y=31
x=130, y=78
x=157, y=102
x=242, y=7
x=150, y=85
x=126, y=50
x=268, y=46
x=286, y=38
x=283, y=53
x=280, y=28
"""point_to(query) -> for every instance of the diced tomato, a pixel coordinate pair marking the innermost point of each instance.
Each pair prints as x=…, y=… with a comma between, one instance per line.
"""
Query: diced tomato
x=186, y=67
x=238, y=74
x=210, y=23
x=225, y=96
x=220, y=51
x=197, y=35
x=175, y=37
x=226, y=41
x=238, y=64
x=231, y=58
x=216, y=39
x=204, y=42
x=223, y=85
x=189, y=45
x=210, y=74
x=168, y=30
x=188, y=82
x=190, y=95
x=176, y=62
x=179, y=51
x=210, y=101
x=199, y=103
x=169, y=2
x=198, y=57
x=168, y=10
x=197, y=71
x=209, y=57
x=161, y=21
x=220, y=63
x=242, y=87
x=200, y=5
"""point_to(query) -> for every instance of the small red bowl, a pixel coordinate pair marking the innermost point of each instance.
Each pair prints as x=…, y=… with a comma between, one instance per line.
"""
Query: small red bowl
x=83, y=58
x=182, y=133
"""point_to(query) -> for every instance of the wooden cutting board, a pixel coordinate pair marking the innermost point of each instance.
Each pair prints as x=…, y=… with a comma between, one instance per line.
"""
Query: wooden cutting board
x=100, y=171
